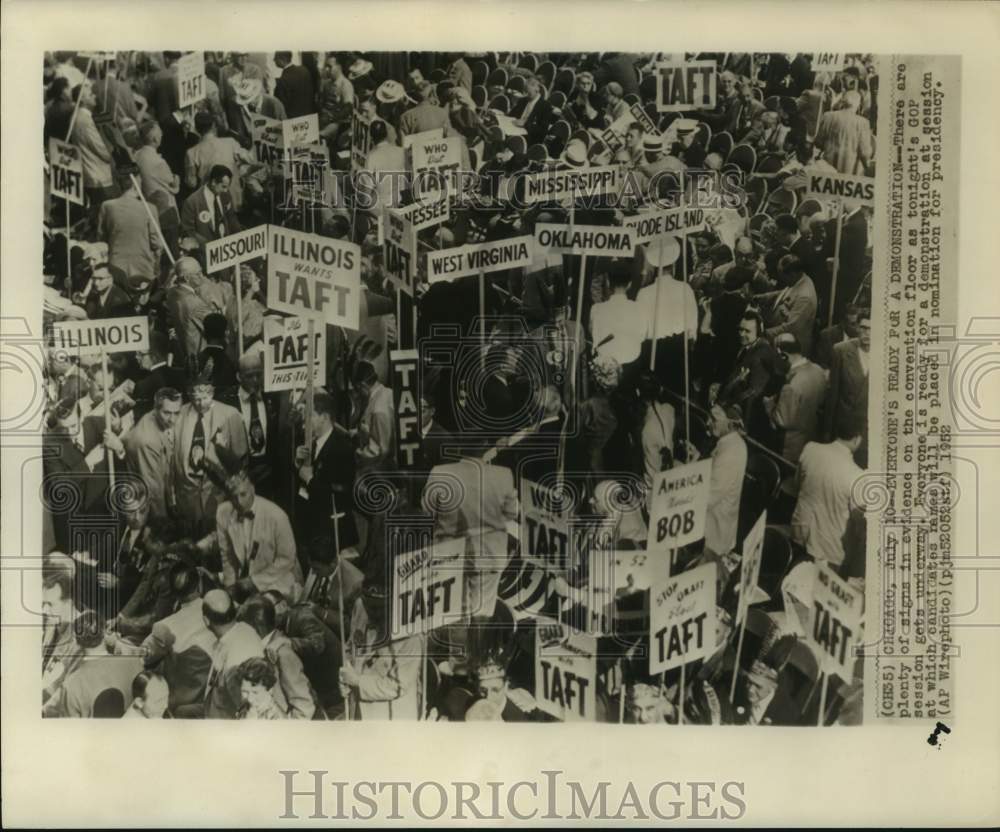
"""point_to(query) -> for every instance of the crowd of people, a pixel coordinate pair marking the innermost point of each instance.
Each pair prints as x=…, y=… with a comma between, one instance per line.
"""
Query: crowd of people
x=204, y=562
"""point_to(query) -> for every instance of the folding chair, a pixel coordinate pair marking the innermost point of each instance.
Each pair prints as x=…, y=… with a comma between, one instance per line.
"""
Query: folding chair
x=517, y=86
x=517, y=144
x=756, y=189
x=565, y=81
x=437, y=76
x=703, y=134
x=773, y=103
x=537, y=153
x=497, y=78
x=631, y=99
x=775, y=559
x=557, y=99
x=583, y=135
x=546, y=72
x=529, y=62
x=744, y=157
x=666, y=120
x=559, y=130
x=500, y=102
x=479, y=96
x=721, y=143
x=480, y=72
x=770, y=164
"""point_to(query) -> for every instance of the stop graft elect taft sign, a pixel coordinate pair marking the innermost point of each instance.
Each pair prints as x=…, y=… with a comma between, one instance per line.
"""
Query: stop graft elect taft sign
x=682, y=619
x=314, y=277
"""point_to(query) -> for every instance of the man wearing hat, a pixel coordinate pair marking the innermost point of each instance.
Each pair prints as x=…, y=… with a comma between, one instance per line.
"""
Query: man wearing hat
x=657, y=164
x=133, y=240
x=203, y=426
x=426, y=115
x=361, y=74
x=249, y=98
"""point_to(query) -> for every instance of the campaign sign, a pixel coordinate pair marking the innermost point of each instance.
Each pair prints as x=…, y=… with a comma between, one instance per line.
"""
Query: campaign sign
x=685, y=85
x=190, y=79
x=434, y=163
x=267, y=140
x=427, y=587
x=65, y=171
x=109, y=335
x=462, y=261
x=678, y=506
x=753, y=548
x=399, y=251
x=682, y=619
x=676, y=222
x=406, y=396
x=361, y=140
x=544, y=524
x=234, y=249
x=286, y=341
x=425, y=136
x=599, y=240
x=835, y=622
x=828, y=61
x=314, y=277
x=301, y=130
x=852, y=190
x=565, y=672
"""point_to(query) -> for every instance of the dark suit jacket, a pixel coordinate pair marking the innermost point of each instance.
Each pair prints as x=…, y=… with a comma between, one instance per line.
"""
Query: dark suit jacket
x=116, y=305
x=192, y=213
x=333, y=474
x=295, y=90
x=539, y=119
x=848, y=392
x=828, y=339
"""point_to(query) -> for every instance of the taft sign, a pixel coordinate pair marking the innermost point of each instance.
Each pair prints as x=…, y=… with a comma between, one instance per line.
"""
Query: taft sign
x=405, y=365
x=94, y=337
x=190, y=79
x=828, y=61
x=286, y=343
x=314, y=277
x=565, y=672
x=267, y=140
x=399, y=251
x=685, y=85
x=835, y=622
x=427, y=587
x=301, y=130
x=544, y=525
x=682, y=619
x=65, y=171
x=479, y=257
x=235, y=249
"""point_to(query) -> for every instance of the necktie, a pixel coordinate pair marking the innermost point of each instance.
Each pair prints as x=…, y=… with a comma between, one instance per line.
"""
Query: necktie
x=220, y=218
x=257, y=441
x=196, y=456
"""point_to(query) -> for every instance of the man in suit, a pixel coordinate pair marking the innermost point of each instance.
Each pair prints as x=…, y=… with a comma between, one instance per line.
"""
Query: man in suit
x=208, y=214
x=235, y=642
x=840, y=333
x=793, y=307
x=756, y=364
x=795, y=410
x=847, y=399
x=294, y=88
x=259, y=412
x=158, y=374
x=257, y=544
x=131, y=234
x=149, y=448
x=188, y=303
x=105, y=299
x=180, y=646
x=325, y=473
x=533, y=112
x=203, y=426
x=427, y=115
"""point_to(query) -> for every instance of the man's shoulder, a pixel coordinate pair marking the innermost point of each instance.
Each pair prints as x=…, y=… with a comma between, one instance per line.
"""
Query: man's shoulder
x=845, y=348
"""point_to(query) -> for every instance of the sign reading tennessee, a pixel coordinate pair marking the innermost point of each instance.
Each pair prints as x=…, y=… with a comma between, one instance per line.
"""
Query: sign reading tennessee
x=314, y=276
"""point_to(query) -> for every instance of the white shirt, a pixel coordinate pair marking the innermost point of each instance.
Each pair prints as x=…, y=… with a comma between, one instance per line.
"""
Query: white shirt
x=729, y=465
x=676, y=312
x=827, y=474
x=620, y=317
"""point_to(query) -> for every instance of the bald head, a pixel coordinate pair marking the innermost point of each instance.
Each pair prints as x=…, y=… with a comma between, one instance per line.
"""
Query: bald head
x=744, y=245
x=188, y=270
x=218, y=609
